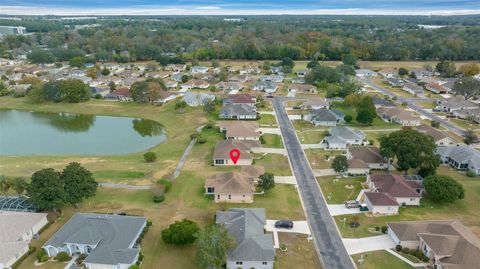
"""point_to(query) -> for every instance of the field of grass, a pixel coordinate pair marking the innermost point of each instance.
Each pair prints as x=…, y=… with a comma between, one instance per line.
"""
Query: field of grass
x=301, y=125
x=461, y=209
x=376, y=65
x=426, y=105
x=317, y=157
x=272, y=141
x=337, y=192
x=311, y=136
x=379, y=260
x=267, y=119
x=465, y=124
x=300, y=252
x=274, y=163
x=377, y=123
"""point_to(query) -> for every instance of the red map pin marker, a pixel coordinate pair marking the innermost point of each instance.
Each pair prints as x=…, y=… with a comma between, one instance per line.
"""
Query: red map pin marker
x=234, y=155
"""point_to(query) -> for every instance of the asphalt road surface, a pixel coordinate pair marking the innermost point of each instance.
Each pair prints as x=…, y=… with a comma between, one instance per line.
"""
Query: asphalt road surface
x=411, y=104
x=328, y=242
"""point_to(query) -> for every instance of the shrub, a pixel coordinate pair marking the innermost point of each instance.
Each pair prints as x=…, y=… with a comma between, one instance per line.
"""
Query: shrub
x=167, y=185
x=262, y=140
x=62, y=257
x=40, y=254
x=150, y=157
x=193, y=136
x=44, y=258
x=202, y=140
x=158, y=198
x=348, y=118
x=181, y=232
x=134, y=266
x=384, y=229
x=98, y=96
x=443, y=189
x=377, y=228
x=209, y=125
x=471, y=174
x=398, y=247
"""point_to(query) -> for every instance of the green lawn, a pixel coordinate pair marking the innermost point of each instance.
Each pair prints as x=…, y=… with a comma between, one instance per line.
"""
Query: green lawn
x=274, y=163
x=379, y=260
x=340, y=190
x=272, y=141
x=465, y=124
x=311, y=136
x=461, y=209
x=267, y=119
x=377, y=123
x=301, y=125
x=317, y=157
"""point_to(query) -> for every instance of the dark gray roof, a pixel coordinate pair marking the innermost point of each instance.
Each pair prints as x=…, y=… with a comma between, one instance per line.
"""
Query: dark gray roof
x=324, y=114
x=246, y=226
x=229, y=110
x=113, y=233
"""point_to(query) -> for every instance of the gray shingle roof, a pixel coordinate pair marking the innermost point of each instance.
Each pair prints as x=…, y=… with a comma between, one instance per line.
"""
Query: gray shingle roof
x=461, y=154
x=113, y=233
x=324, y=114
x=346, y=133
x=246, y=226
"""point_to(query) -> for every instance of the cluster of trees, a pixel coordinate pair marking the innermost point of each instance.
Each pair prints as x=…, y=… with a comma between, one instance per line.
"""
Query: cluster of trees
x=51, y=190
x=364, y=106
x=147, y=91
x=69, y=90
x=334, y=80
x=265, y=37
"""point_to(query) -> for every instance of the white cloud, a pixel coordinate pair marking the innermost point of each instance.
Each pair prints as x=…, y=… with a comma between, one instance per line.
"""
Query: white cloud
x=208, y=8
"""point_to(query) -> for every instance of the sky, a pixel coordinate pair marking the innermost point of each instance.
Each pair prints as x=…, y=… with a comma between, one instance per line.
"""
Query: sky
x=239, y=7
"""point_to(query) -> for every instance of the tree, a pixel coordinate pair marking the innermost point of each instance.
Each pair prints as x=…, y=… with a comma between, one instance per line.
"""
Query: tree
x=349, y=59
x=112, y=86
x=19, y=184
x=209, y=106
x=150, y=157
x=340, y=164
x=147, y=91
x=467, y=87
x=470, y=69
x=402, y=72
x=346, y=69
x=287, y=62
x=73, y=91
x=180, y=106
x=79, y=183
x=446, y=68
x=266, y=181
x=411, y=149
x=105, y=71
x=366, y=111
x=46, y=189
x=443, y=189
x=40, y=56
x=181, y=232
x=184, y=78
x=5, y=185
x=470, y=137
x=212, y=246
x=312, y=64
x=78, y=61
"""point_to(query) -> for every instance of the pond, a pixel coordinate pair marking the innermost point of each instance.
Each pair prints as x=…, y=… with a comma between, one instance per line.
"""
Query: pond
x=38, y=133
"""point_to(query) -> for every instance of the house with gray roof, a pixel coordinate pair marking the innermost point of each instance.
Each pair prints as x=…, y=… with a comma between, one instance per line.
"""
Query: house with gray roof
x=361, y=73
x=325, y=117
x=272, y=78
x=461, y=157
x=340, y=137
x=109, y=241
x=254, y=248
x=238, y=112
x=265, y=86
x=197, y=99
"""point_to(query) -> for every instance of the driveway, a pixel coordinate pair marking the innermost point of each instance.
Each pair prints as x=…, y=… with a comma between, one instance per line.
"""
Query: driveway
x=299, y=227
x=328, y=243
x=269, y=130
x=373, y=243
x=324, y=172
x=336, y=210
x=285, y=180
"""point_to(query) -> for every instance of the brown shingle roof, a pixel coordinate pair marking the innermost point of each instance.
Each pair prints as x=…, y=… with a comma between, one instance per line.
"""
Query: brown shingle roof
x=395, y=185
x=241, y=128
x=253, y=171
x=380, y=199
x=223, y=148
x=436, y=134
x=366, y=154
x=231, y=182
x=356, y=163
x=399, y=113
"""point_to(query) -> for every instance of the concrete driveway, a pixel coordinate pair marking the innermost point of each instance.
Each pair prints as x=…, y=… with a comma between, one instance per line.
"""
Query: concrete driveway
x=285, y=180
x=373, y=243
x=336, y=210
x=299, y=227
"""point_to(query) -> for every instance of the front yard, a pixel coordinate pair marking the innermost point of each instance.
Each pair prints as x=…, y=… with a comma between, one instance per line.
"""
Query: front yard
x=379, y=260
x=267, y=119
x=271, y=141
x=337, y=191
x=318, y=157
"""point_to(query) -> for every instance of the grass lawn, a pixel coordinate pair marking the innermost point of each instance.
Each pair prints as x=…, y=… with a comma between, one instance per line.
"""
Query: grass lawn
x=300, y=252
x=461, y=209
x=272, y=141
x=380, y=260
x=311, y=136
x=465, y=124
x=374, y=135
x=339, y=190
x=317, y=157
x=427, y=105
x=267, y=119
x=377, y=123
x=274, y=163
x=302, y=125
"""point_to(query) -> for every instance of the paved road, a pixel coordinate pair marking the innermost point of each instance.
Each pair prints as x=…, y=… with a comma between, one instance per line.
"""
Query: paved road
x=183, y=159
x=412, y=104
x=330, y=248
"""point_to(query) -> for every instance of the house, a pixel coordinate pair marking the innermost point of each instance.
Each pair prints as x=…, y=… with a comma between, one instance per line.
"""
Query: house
x=363, y=159
x=245, y=99
x=177, y=77
x=195, y=84
x=272, y=78
x=380, y=102
x=436, y=88
x=468, y=114
x=253, y=248
x=265, y=86
x=197, y=99
x=388, y=72
x=239, y=78
x=380, y=203
x=238, y=112
x=164, y=97
x=316, y=103
x=413, y=89
x=249, y=70
x=325, y=117
x=362, y=73
x=398, y=115
x=440, y=138
x=230, y=86
x=447, y=243
x=340, y=137
x=461, y=157
x=230, y=187
x=278, y=70
x=455, y=103
x=405, y=189
x=297, y=80
x=176, y=67
x=171, y=84
x=221, y=153
x=302, y=73
x=17, y=230
x=199, y=69
x=240, y=130
x=109, y=241
x=395, y=82
x=421, y=73
x=122, y=94
x=302, y=88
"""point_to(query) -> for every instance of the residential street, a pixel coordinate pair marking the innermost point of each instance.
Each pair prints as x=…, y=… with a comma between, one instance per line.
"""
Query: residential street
x=411, y=104
x=332, y=252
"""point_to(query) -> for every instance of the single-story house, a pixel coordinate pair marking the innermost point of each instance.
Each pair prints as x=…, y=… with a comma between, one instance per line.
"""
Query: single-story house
x=447, y=243
x=176, y=67
x=405, y=190
x=241, y=130
x=302, y=73
x=436, y=88
x=197, y=99
x=109, y=241
x=421, y=73
x=302, y=88
x=413, y=89
x=16, y=231
x=316, y=103
x=380, y=102
x=297, y=80
x=244, y=99
x=265, y=86
x=177, y=77
x=395, y=82
x=239, y=78
x=388, y=72
x=276, y=70
x=468, y=114
x=238, y=112
x=122, y=94
x=325, y=117
x=461, y=157
x=230, y=187
x=171, y=83
x=199, y=69
x=381, y=203
x=440, y=138
x=165, y=96
x=221, y=153
x=455, y=103
x=398, y=115
x=253, y=248
x=272, y=78
x=229, y=86
x=361, y=73
x=195, y=84
x=365, y=157
x=340, y=137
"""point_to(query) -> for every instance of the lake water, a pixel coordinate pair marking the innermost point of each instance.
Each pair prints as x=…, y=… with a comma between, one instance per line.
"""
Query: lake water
x=36, y=133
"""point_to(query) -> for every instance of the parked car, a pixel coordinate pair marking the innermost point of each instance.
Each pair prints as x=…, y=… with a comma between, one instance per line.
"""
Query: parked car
x=352, y=204
x=287, y=224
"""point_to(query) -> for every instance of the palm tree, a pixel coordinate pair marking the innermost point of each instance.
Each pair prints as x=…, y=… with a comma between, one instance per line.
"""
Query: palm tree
x=180, y=106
